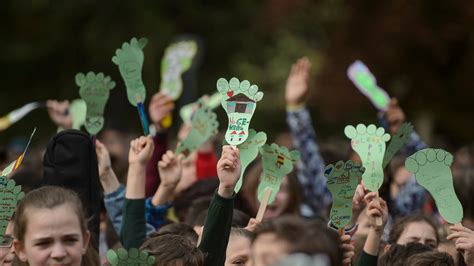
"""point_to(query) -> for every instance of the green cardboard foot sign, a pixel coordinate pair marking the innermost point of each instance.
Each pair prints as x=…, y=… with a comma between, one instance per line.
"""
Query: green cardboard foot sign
x=10, y=194
x=129, y=59
x=94, y=90
x=369, y=143
x=178, y=59
x=248, y=153
x=239, y=100
x=277, y=163
x=342, y=180
x=204, y=125
x=401, y=137
x=78, y=109
x=431, y=168
x=365, y=81
x=186, y=112
x=122, y=257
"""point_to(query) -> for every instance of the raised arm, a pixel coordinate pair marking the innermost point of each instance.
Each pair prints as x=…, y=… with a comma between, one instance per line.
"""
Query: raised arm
x=310, y=168
x=219, y=217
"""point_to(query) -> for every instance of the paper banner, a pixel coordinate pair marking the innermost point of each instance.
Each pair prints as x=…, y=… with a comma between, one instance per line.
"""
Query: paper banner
x=277, y=163
x=213, y=101
x=342, y=183
x=431, y=168
x=369, y=143
x=15, y=164
x=17, y=114
x=365, y=81
x=94, y=90
x=248, y=152
x=239, y=100
x=401, y=137
x=130, y=59
x=177, y=59
x=204, y=125
x=78, y=109
x=122, y=257
x=10, y=194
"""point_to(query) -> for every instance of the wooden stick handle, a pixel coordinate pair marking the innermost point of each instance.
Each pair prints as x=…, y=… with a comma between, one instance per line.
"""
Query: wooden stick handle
x=263, y=204
x=341, y=231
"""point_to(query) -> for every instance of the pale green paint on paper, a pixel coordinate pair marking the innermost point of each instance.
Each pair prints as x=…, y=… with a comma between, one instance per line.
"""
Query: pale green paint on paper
x=122, y=257
x=213, y=101
x=78, y=109
x=401, y=137
x=10, y=194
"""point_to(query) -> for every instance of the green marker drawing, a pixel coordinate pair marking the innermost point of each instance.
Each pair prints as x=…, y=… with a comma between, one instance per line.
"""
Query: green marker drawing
x=248, y=152
x=122, y=257
x=94, y=90
x=369, y=143
x=401, y=137
x=204, y=125
x=239, y=100
x=432, y=170
x=10, y=194
x=78, y=109
x=178, y=59
x=365, y=81
x=130, y=62
x=342, y=183
x=277, y=163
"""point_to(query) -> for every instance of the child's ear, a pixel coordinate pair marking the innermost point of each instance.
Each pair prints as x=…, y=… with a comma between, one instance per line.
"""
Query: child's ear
x=386, y=248
x=86, y=239
x=19, y=250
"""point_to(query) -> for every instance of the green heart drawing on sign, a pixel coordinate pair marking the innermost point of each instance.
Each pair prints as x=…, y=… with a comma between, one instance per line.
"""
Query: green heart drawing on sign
x=365, y=81
x=239, y=100
x=78, y=109
x=248, y=152
x=122, y=257
x=401, y=137
x=10, y=194
x=94, y=90
x=369, y=143
x=277, y=162
x=342, y=183
x=178, y=59
x=431, y=168
x=130, y=62
x=204, y=126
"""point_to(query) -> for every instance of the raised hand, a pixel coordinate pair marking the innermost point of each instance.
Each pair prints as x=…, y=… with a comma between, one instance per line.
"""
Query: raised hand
x=348, y=250
x=59, y=113
x=297, y=83
x=108, y=179
x=170, y=169
x=141, y=150
x=394, y=115
x=228, y=170
x=376, y=207
x=464, y=241
x=160, y=106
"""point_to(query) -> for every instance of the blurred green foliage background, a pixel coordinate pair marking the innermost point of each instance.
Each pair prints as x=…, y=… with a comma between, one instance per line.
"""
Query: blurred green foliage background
x=421, y=52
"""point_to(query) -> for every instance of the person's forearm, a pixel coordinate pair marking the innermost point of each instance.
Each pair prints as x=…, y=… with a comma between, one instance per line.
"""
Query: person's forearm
x=135, y=182
x=109, y=181
x=163, y=195
x=226, y=191
x=372, y=243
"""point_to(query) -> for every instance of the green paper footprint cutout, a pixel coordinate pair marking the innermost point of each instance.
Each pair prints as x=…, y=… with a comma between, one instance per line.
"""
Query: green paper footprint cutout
x=401, y=137
x=431, y=168
x=204, y=125
x=248, y=153
x=122, y=257
x=239, y=100
x=178, y=59
x=186, y=112
x=342, y=183
x=94, y=90
x=369, y=143
x=277, y=163
x=10, y=194
x=130, y=62
x=78, y=109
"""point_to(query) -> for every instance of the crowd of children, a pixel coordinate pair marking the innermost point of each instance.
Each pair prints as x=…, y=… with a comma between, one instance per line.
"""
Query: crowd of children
x=91, y=195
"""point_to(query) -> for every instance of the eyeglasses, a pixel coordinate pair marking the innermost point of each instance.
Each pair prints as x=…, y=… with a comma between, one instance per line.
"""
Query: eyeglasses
x=6, y=242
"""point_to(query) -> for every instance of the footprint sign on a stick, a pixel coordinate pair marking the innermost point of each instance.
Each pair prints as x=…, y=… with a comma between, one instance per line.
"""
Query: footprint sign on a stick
x=432, y=169
x=369, y=143
x=239, y=100
x=10, y=194
x=342, y=180
x=122, y=257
